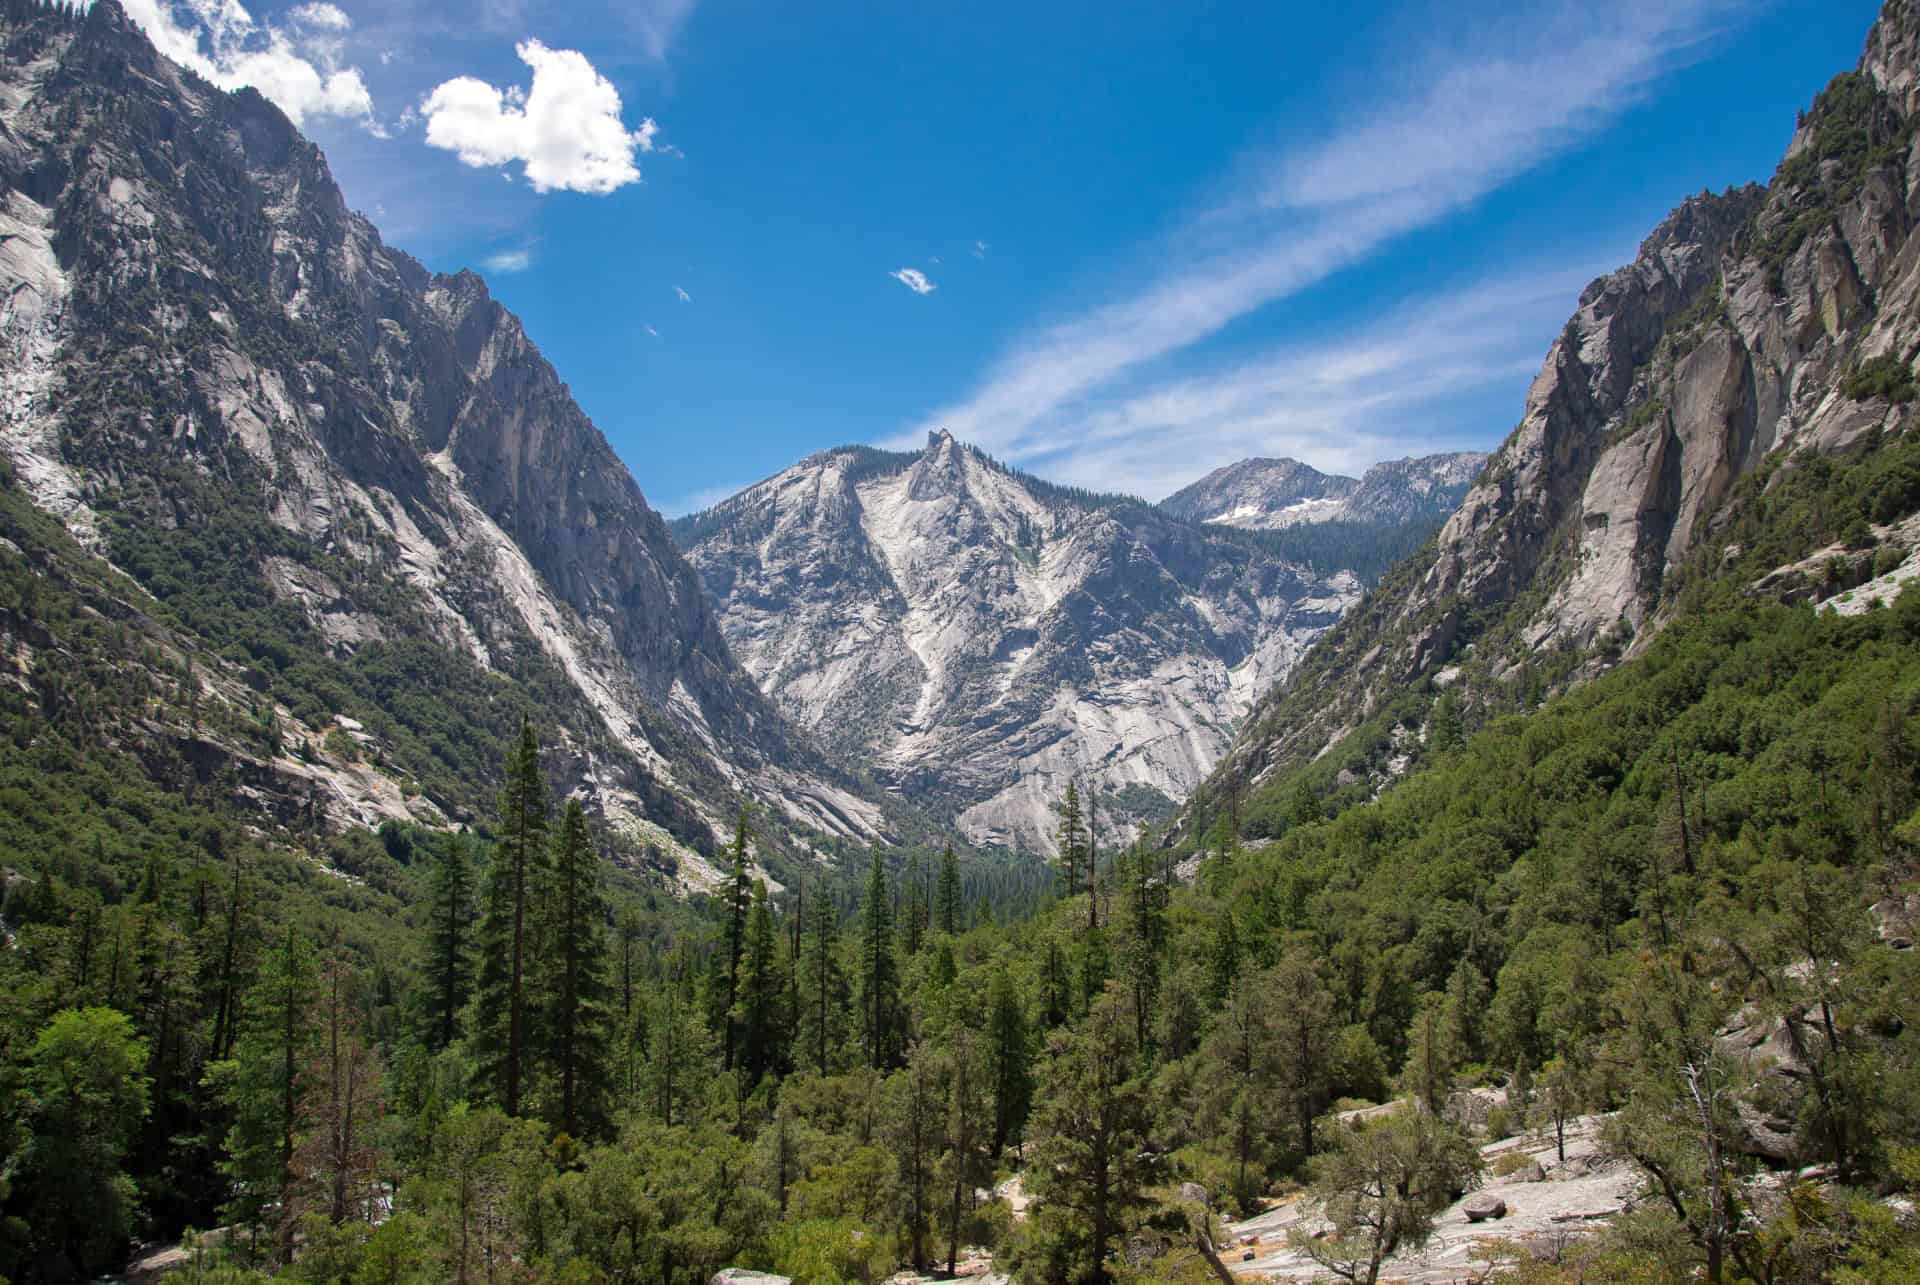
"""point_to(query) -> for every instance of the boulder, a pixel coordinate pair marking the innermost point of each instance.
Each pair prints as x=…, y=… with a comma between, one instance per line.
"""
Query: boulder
x=1195, y=1192
x=741, y=1276
x=1532, y=1173
x=1481, y=1208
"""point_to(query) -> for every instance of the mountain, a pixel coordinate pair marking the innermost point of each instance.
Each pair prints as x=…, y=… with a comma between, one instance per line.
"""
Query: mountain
x=1274, y=494
x=1731, y=412
x=348, y=495
x=981, y=637
x=1263, y=494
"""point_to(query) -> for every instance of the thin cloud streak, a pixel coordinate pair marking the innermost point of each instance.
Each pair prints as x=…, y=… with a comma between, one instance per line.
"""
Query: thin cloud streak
x=1543, y=83
x=1381, y=391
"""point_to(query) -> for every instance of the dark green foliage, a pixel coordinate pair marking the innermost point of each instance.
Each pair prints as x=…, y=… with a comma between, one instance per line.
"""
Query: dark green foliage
x=575, y=1023
x=84, y=1093
x=879, y=973
x=1885, y=376
x=949, y=910
x=449, y=963
x=510, y=929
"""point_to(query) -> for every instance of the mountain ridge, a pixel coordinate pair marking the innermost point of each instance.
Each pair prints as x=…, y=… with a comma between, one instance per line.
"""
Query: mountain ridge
x=982, y=636
x=1277, y=493
x=208, y=351
x=1757, y=333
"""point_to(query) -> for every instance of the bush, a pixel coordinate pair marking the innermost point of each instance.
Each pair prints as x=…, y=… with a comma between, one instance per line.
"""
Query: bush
x=1511, y=1163
x=1884, y=376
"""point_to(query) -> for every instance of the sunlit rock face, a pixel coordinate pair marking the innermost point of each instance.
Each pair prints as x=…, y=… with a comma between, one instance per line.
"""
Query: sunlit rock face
x=979, y=637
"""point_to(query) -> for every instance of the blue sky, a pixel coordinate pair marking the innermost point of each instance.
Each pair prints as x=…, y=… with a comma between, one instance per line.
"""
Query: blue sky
x=1118, y=244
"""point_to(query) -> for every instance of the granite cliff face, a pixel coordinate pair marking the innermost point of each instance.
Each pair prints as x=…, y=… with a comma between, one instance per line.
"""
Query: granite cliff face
x=1274, y=494
x=980, y=637
x=200, y=346
x=1755, y=331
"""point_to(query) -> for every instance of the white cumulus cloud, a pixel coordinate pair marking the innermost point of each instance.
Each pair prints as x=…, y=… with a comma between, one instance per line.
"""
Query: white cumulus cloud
x=914, y=280
x=298, y=68
x=565, y=129
x=682, y=295
x=322, y=17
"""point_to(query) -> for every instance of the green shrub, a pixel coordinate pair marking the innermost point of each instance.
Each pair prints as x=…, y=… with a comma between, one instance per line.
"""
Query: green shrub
x=1511, y=1163
x=1884, y=376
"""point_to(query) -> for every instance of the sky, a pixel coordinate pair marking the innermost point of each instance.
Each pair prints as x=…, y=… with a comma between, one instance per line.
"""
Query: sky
x=1117, y=244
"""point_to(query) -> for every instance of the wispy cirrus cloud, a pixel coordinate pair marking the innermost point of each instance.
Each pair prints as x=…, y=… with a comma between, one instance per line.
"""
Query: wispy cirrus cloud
x=1339, y=403
x=516, y=259
x=1464, y=120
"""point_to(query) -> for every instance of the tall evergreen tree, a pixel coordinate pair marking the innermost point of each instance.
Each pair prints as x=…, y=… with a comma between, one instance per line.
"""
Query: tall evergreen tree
x=948, y=914
x=574, y=1025
x=260, y=1084
x=1305, y=1033
x=679, y=1054
x=510, y=924
x=1224, y=964
x=1056, y=986
x=1009, y=1063
x=449, y=944
x=739, y=904
x=758, y=1010
x=823, y=989
x=879, y=972
x=1091, y=1165
x=1145, y=941
x=1073, y=838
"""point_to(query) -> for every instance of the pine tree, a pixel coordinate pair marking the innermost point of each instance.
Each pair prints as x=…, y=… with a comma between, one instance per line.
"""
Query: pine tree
x=679, y=1057
x=739, y=904
x=879, y=973
x=259, y=1085
x=1096, y=966
x=1243, y=1078
x=914, y=1117
x=823, y=987
x=577, y=1006
x=757, y=1014
x=337, y=1159
x=1224, y=965
x=1091, y=1165
x=1056, y=986
x=507, y=931
x=1305, y=1032
x=227, y=977
x=1073, y=838
x=1431, y=1057
x=947, y=907
x=1009, y=1063
x=968, y=1120
x=449, y=945
x=1146, y=939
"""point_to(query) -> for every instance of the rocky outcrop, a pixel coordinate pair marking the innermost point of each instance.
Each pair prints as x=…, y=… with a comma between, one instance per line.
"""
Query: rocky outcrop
x=1733, y=342
x=1274, y=494
x=981, y=637
x=202, y=343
